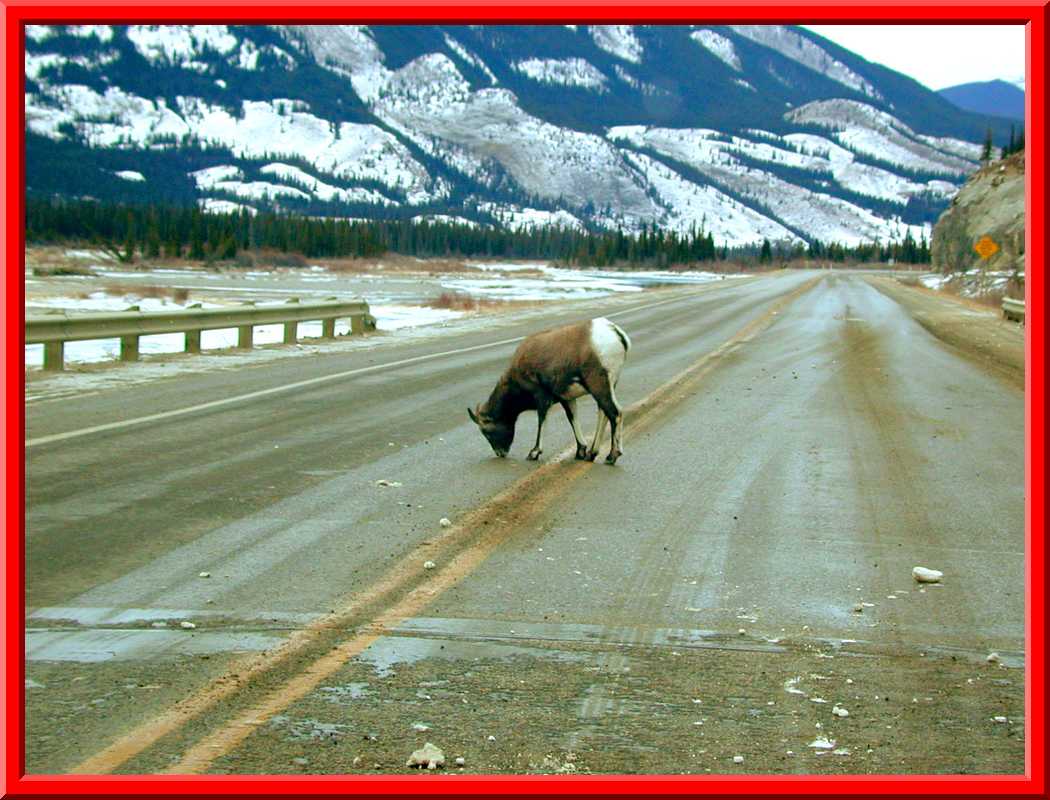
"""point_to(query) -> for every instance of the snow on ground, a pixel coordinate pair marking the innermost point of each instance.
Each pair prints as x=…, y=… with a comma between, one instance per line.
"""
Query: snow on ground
x=934, y=281
x=103, y=33
x=620, y=40
x=511, y=266
x=566, y=284
x=565, y=71
x=974, y=283
x=515, y=217
x=89, y=254
x=865, y=129
x=807, y=53
x=470, y=58
x=323, y=190
x=394, y=317
x=829, y=218
x=214, y=206
x=398, y=303
x=718, y=45
x=175, y=43
x=101, y=302
x=705, y=208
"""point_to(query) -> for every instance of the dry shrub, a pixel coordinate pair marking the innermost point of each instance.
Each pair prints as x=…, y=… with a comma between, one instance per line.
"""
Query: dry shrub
x=351, y=265
x=269, y=258
x=454, y=301
x=177, y=295
x=55, y=270
x=461, y=301
x=392, y=262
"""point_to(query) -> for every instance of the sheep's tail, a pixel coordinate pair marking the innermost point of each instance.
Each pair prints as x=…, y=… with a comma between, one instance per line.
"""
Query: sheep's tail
x=624, y=338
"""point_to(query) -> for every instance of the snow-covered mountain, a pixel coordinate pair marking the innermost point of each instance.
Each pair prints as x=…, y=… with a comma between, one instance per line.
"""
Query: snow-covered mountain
x=749, y=132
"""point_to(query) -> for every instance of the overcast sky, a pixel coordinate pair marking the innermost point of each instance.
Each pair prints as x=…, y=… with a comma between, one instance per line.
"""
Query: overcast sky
x=937, y=56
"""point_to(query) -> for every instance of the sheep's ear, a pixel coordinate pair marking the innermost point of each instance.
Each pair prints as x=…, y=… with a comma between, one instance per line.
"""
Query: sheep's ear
x=472, y=415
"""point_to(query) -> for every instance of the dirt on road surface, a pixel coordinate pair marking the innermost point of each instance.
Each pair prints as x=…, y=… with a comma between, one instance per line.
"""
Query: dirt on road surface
x=736, y=596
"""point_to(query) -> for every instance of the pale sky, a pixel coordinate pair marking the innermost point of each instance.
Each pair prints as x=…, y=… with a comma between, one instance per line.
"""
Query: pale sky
x=937, y=56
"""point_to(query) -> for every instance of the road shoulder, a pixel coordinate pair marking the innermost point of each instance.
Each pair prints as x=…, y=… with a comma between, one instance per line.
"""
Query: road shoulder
x=981, y=335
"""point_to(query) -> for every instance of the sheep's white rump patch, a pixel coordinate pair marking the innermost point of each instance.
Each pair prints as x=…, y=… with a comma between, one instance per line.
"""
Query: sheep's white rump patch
x=605, y=337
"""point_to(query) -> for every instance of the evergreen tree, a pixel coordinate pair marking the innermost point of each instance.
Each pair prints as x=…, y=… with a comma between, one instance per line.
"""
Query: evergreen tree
x=986, y=151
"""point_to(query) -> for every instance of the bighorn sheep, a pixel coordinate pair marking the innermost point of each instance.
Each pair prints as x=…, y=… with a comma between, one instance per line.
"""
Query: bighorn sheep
x=559, y=365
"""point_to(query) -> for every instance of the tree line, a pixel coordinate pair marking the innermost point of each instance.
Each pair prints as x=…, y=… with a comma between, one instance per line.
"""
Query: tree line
x=129, y=231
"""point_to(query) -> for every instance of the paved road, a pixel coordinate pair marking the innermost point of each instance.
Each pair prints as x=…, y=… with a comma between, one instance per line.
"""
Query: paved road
x=796, y=444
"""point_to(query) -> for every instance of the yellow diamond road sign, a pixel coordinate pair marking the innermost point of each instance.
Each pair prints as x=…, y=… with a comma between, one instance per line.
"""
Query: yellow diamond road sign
x=986, y=248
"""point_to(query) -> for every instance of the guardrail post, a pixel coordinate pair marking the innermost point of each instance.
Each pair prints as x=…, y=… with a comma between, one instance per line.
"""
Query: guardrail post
x=244, y=332
x=129, y=348
x=54, y=356
x=291, y=329
x=193, y=341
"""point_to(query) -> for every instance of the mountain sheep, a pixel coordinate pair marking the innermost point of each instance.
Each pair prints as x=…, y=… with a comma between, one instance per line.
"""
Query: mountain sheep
x=559, y=365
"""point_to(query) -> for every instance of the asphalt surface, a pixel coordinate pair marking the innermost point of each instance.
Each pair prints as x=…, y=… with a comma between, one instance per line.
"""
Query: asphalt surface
x=794, y=445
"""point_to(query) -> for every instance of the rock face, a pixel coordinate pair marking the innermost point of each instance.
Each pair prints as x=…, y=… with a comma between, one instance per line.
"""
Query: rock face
x=990, y=204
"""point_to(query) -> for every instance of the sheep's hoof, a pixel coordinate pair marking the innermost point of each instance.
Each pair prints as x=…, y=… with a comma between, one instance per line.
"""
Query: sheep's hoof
x=581, y=453
x=590, y=455
x=613, y=455
x=533, y=455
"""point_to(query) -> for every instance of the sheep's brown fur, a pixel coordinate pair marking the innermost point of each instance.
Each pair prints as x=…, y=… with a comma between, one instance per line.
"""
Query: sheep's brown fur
x=558, y=365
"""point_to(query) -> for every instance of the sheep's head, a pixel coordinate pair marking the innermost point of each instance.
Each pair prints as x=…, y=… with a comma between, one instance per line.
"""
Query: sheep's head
x=499, y=435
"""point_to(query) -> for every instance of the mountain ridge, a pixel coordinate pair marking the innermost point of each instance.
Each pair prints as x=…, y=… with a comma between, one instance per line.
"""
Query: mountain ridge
x=997, y=98
x=775, y=132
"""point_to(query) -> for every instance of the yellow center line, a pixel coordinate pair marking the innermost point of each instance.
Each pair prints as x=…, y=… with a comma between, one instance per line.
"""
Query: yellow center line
x=466, y=545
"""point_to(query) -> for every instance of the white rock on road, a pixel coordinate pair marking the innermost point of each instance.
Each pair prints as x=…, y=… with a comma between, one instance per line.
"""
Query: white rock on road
x=429, y=756
x=926, y=575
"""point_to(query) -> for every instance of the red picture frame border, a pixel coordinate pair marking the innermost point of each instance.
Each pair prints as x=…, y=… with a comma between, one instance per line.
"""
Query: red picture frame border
x=16, y=14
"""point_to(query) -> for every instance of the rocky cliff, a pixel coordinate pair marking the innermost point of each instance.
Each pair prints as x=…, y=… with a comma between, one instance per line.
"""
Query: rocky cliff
x=991, y=204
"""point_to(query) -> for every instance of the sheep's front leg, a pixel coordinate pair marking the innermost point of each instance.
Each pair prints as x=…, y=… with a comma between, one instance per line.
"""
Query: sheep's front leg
x=541, y=413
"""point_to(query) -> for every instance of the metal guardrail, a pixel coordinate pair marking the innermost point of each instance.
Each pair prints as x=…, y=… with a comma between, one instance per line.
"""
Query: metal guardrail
x=1013, y=309
x=54, y=330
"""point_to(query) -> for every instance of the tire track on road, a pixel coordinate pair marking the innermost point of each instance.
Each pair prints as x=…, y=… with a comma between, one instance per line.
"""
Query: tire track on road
x=405, y=590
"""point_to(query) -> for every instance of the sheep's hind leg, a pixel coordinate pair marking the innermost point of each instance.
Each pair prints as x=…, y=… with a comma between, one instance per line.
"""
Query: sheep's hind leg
x=570, y=412
x=605, y=396
x=599, y=432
